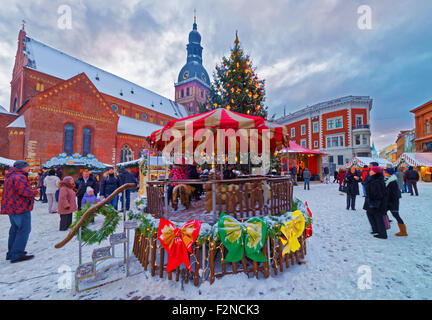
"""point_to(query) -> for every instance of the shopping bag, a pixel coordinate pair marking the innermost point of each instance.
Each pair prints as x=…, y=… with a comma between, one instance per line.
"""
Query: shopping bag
x=386, y=222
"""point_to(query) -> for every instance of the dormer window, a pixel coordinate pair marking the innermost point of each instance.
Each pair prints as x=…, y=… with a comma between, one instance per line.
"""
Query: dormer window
x=114, y=107
x=132, y=91
x=97, y=77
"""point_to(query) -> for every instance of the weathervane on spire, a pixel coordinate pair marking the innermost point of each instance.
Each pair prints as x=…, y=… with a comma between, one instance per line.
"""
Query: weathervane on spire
x=23, y=24
x=194, y=15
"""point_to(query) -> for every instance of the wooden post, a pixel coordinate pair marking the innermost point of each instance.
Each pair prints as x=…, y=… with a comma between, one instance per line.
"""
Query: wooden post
x=177, y=271
x=153, y=256
x=245, y=269
x=197, y=265
x=214, y=202
x=146, y=251
x=274, y=257
x=161, y=261
x=212, y=266
x=266, y=264
x=255, y=269
x=222, y=258
x=280, y=255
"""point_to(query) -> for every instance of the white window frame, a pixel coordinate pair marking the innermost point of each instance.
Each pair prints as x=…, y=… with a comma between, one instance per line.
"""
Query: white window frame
x=339, y=146
x=315, y=124
x=335, y=119
x=293, y=132
x=302, y=129
x=305, y=143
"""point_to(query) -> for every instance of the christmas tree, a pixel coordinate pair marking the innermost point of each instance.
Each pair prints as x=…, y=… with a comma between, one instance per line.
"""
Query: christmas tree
x=236, y=86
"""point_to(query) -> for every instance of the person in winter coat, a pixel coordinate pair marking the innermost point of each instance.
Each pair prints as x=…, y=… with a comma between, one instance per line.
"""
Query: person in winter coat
x=192, y=173
x=375, y=202
x=326, y=175
x=352, y=179
x=81, y=184
x=89, y=197
x=392, y=199
x=126, y=177
x=365, y=173
x=340, y=177
x=306, y=177
x=412, y=177
x=41, y=186
x=17, y=203
x=110, y=182
x=335, y=176
x=67, y=202
x=399, y=176
x=51, y=184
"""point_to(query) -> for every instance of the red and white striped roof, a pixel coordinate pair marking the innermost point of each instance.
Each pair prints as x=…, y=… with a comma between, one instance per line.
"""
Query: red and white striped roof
x=416, y=159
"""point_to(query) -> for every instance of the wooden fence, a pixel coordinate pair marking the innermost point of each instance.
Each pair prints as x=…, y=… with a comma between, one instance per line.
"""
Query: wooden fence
x=206, y=260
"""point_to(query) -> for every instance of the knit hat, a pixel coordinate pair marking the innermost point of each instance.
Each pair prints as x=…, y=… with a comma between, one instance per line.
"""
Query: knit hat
x=67, y=179
x=389, y=171
x=374, y=164
x=20, y=164
x=89, y=189
x=376, y=169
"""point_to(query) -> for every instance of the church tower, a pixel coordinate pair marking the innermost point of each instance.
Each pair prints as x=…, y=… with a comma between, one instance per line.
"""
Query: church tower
x=193, y=84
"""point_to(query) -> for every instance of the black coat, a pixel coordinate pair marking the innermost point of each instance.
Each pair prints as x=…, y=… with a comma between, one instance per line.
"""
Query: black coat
x=393, y=195
x=352, y=183
x=127, y=177
x=109, y=185
x=376, y=193
x=412, y=175
x=81, y=186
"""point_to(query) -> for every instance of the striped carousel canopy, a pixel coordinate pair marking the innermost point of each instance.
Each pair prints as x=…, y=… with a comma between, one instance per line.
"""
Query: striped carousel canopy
x=191, y=126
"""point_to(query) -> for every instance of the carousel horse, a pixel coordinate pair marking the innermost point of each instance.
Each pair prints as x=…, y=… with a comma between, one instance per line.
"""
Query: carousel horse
x=184, y=192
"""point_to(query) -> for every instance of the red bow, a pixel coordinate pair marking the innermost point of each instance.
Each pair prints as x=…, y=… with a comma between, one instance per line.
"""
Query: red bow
x=178, y=241
x=309, y=228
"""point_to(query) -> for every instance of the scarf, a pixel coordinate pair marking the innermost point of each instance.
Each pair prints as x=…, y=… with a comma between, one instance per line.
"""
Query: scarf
x=389, y=179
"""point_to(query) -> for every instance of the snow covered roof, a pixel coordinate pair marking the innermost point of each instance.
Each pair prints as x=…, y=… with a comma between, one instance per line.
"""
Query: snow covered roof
x=4, y=162
x=416, y=159
x=17, y=123
x=364, y=161
x=136, y=127
x=154, y=161
x=51, y=61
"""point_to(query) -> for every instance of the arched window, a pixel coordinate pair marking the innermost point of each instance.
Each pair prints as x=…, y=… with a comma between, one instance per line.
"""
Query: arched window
x=15, y=105
x=125, y=154
x=87, y=136
x=69, y=139
x=114, y=107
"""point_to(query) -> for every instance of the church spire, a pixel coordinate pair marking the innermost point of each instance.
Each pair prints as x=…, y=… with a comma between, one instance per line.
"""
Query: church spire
x=194, y=24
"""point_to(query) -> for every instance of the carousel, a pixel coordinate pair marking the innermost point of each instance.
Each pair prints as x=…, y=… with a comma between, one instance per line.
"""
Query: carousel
x=248, y=225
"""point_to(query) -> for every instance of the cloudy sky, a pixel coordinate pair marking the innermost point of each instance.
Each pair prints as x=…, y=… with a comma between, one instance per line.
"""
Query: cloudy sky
x=308, y=51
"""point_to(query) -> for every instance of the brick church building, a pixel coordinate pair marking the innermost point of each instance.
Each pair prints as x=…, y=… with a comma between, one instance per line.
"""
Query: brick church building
x=61, y=104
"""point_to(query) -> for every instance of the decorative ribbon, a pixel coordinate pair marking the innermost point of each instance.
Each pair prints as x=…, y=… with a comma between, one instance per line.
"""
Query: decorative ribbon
x=309, y=228
x=239, y=237
x=290, y=231
x=178, y=241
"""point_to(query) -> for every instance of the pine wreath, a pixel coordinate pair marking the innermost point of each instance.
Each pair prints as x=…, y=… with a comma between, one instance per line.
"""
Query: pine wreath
x=109, y=225
x=70, y=171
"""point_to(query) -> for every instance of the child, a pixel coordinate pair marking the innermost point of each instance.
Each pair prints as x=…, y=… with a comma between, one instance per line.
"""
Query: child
x=67, y=202
x=89, y=197
x=392, y=199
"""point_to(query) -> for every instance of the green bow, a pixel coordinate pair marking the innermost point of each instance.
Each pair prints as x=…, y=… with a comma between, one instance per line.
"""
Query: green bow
x=239, y=237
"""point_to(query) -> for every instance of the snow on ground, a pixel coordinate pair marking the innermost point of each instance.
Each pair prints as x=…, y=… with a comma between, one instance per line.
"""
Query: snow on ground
x=340, y=252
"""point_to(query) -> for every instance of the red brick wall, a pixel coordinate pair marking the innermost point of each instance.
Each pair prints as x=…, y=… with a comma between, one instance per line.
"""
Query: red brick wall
x=75, y=102
x=362, y=112
x=16, y=143
x=192, y=101
x=5, y=120
x=134, y=142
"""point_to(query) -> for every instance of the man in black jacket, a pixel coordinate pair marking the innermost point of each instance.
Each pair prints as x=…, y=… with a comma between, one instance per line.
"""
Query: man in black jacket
x=412, y=177
x=81, y=184
x=126, y=177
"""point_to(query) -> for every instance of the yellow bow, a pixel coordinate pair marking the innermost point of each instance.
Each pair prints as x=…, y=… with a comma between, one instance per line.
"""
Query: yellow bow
x=290, y=231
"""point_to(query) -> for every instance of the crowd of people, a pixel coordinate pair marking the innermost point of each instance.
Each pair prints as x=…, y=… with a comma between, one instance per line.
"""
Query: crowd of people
x=382, y=189
x=64, y=195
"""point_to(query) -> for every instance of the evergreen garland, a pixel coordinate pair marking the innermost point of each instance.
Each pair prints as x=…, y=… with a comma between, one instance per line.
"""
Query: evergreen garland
x=112, y=218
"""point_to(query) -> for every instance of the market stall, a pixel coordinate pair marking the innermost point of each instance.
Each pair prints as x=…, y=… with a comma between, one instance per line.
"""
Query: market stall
x=5, y=164
x=75, y=164
x=364, y=161
x=300, y=157
x=421, y=161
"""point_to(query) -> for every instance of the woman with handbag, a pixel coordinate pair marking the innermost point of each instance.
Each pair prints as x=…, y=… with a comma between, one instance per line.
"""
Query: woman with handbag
x=392, y=199
x=352, y=179
x=375, y=203
x=341, y=176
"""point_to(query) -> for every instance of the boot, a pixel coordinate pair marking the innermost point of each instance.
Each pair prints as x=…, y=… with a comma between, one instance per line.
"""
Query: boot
x=402, y=232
